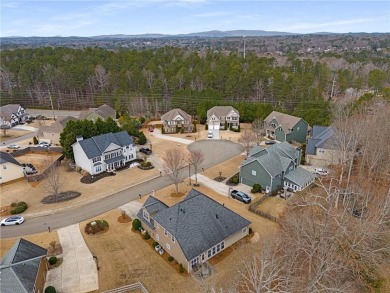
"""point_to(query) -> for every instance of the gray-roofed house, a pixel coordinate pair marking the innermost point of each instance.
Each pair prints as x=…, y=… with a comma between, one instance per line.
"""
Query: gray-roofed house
x=218, y=115
x=320, y=147
x=105, y=152
x=12, y=114
x=52, y=132
x=23, y=269
x=10, y=168
x=103, y=112
x=284, y=127
x=193, y=230
x=275, y=167
x=177, y=120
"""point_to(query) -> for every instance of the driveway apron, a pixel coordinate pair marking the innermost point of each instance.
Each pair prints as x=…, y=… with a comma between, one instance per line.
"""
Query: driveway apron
x=78, y=272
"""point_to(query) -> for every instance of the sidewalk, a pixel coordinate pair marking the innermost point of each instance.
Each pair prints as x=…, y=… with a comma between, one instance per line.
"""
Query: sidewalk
x=25, y=127
x=78, y=272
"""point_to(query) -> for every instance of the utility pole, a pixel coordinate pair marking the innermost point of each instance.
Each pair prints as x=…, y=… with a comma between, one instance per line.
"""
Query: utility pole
x=52, y=108
x=333, y=85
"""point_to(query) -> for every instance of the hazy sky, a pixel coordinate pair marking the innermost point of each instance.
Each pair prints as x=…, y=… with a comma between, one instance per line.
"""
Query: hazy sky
x=91, y=17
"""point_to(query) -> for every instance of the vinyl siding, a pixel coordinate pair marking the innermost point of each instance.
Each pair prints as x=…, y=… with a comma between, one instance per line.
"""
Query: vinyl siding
x=262, y=177
x=298, y=135
x=12, y=172
x=81, y=159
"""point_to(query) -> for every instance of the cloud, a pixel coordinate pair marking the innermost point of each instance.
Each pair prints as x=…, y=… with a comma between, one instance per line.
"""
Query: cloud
x=10, y=4
x=212, y=14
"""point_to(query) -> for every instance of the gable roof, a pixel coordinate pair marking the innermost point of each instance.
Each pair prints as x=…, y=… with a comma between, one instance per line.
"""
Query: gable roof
x=286, y=121
x=8, y=158
x=58, y=125
x=300, y=176
x=152, y=206
x=7, y=110
x=19, y=267
x=255, y=150
x=220, y=111
x=320, y=138
x=103, y=111
x=199, y=222
x=95, y=146
x=171, y=115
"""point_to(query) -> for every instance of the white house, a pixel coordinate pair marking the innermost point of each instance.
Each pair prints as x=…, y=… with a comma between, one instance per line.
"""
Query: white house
x=12, y=114
x=105, y=152
x=10, y=168
x=219, y=115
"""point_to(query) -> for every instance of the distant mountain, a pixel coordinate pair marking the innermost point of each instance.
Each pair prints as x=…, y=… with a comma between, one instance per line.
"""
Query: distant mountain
x=238, y=33
x=122, y=36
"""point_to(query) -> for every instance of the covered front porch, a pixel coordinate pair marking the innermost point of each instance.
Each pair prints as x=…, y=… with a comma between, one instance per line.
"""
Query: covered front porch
x=115, y=163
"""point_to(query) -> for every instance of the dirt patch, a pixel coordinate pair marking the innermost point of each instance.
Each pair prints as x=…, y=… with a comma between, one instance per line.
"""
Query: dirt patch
x=5, y=210
x=219, y=178
x=273, y=206
x=13, y=133
x=62, y=196
x=125, y=219
x=179, y=194
x=89, y=179
x=40, y=160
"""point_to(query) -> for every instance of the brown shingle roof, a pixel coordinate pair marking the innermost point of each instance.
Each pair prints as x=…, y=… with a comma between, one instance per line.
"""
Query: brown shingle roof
x=169, y=116
x=287, y=122
x=103, y=111
x=57, y=126
x=7, y=110
x=220, y=111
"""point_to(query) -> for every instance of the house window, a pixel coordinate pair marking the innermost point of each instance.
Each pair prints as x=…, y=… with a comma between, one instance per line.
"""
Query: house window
x=291, y=167
x=297, y=128
x=218, y=247
x=214, y=249
x=167, y=246
x=209, y=253
x=157, y=237
x=165, y=233
x=97, y=159
x=98, y=169
x=4, y=167
x=254, y=172
x=223, y=245
x=244, y=230
x=173, y=239
x=203, y=257
x=146, y=215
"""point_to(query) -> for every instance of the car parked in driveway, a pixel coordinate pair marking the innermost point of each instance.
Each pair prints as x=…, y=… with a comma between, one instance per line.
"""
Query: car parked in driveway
x=320, y=171
x=43, y=144
x=269, y=142
x=241, y=196
x=146, y=151
x=13, y=146
x=13, y=220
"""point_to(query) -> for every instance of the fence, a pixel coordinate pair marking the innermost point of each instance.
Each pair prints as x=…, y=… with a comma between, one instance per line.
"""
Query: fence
x=127, y=288
x=253, y=209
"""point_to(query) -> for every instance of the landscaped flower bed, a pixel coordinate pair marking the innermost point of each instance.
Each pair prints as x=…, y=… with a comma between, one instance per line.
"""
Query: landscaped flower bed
x=96, y=227
x=93, y=178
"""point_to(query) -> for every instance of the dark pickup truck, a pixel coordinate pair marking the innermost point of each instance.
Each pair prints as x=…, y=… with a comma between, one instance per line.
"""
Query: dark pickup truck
x=146, y=151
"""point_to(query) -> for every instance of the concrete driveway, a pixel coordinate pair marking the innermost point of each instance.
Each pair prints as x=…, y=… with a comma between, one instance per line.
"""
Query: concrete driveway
x=157, y=133
x=78, y=272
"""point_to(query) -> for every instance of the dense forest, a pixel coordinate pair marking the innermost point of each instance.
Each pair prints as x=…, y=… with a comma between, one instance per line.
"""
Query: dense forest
x=150, y=82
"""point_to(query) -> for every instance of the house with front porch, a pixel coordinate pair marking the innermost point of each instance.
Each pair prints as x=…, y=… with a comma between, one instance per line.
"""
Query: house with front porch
x=105, y=152
x=12, y=114
x=275, y=167
x=23, y=268
x=284, y=127
x=177, y=120
x=193, y=230
x=218, y=116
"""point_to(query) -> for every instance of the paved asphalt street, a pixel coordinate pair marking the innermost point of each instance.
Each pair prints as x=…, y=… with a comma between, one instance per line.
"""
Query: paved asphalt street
x=217, y=152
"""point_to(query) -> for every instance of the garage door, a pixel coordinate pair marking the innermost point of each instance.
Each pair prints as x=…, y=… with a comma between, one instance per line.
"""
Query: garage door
x=214, y=127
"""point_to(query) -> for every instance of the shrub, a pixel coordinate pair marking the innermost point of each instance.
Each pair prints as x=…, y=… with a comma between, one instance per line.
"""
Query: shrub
x=250, y=230
x=206, y=127
x=154, y=244
x=136, y=224
x=256, y=188
x=14, y=204
x=235, y=179
x=194, y=128
x=142, y=119
x=146, y=164
x=50, y=289
x=162, y=130
x=35, y=140
x=146, y=236
x=142, y=138
x=19, y=209
x=22, y=203
x=181, y=269
x=170, y=258
x=53, y=260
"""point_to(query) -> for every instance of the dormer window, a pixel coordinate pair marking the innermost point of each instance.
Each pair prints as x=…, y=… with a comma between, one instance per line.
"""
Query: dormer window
x=146, y=215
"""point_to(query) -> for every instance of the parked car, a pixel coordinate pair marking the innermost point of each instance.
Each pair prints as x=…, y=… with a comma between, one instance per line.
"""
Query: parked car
x=13, y=146
x=13, y=220
x=210, y=134
x=146, y=151
x=241, y=196
x=157, y=247
x=43, y=144
x=268, y=142
x=320, y=171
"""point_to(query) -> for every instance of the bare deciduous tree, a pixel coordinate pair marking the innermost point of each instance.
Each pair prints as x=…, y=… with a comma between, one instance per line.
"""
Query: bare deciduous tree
x=195, y=159
x=258, y=130
x=173, y=162
x=54, y=180
x=248, y=140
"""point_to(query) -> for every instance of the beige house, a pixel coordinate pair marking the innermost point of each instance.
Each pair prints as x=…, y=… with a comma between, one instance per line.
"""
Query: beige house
x=177, y=119
x=219, y=115
x=52, y=132
x=103, y=112
x=10, y=168
x=23, y=269
x=193, y=230
x=320, y=147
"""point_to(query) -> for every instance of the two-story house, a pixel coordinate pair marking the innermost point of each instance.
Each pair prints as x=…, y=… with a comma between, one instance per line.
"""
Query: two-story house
x=105, y=152
x=103, y=112
x=10, y=168
x=193, y=230
x=274, y=168
x=218, y=115
x=284, y=127
x=177, y=119
x=320, y=148
x=23, y=268
x=12, y=114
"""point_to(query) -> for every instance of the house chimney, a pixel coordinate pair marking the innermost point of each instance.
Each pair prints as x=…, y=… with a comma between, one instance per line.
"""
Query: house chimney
x=79, y=138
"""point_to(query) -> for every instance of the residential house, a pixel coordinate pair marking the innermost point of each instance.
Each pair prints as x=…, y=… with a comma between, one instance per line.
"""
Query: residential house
x=275, y=167
x=10, y=168
x=177, y=119
x=103, y=112
x=53, y=131
x=219, y=115
x=23, y=268
x=12, y=114
x=284, y=127
x=105, y=152
x=193, y=230
x=320, y=147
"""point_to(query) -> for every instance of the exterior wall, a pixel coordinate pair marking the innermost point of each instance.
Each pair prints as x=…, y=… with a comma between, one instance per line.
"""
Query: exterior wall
x=279, y=134
x=81, y=159
x=298, y=133
x=129, y=152
x=277, y=183
x=262, y=177
x=41, y=276
x=10, y=172
x=296, y=187
x=323, y=157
